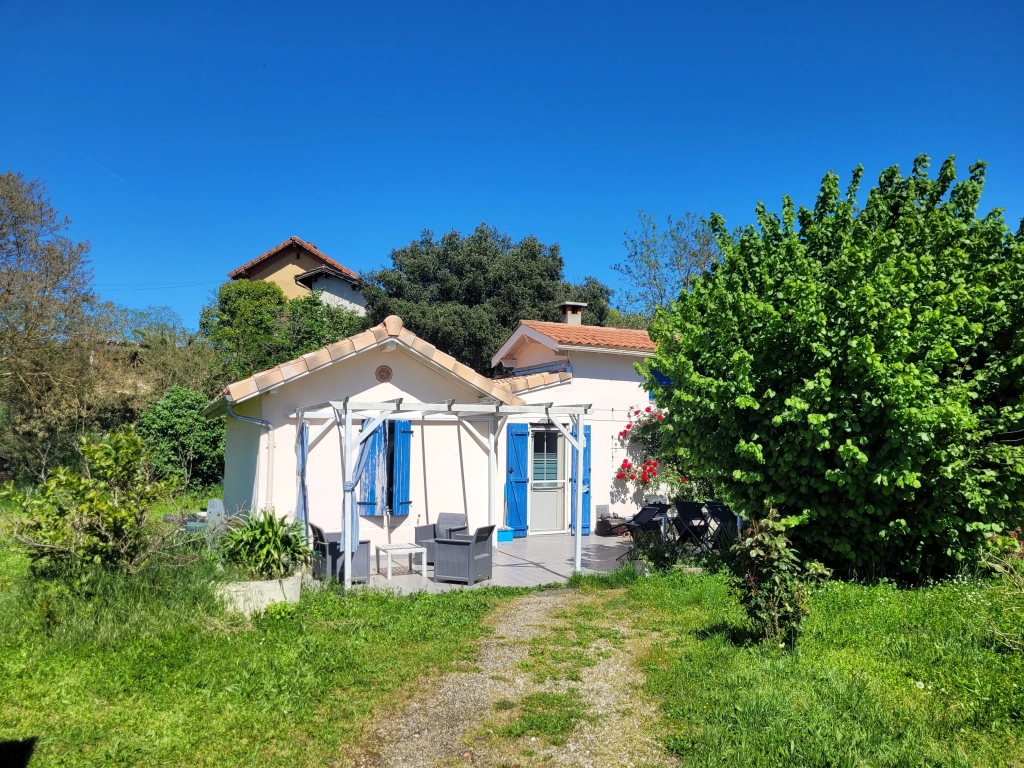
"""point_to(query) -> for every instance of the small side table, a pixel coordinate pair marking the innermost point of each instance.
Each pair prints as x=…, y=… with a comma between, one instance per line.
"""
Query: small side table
x=390, y=550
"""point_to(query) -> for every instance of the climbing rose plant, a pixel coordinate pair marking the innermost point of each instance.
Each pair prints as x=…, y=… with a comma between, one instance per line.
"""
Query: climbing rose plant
x=652, y=475
x=861, y=370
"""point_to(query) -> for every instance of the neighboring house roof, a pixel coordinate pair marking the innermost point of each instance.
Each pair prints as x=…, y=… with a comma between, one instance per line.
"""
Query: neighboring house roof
x=309, y=248
x=306, y=278
x=563, y=336
x=391, y=330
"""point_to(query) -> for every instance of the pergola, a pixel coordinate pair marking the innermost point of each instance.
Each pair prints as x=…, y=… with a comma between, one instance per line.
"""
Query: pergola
x=374, y=414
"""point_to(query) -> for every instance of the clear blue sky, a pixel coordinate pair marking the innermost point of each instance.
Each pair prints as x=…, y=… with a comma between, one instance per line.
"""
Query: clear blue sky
x=185, y=139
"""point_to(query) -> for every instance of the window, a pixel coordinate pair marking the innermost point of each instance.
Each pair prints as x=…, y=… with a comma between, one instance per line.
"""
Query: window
x=545, y=456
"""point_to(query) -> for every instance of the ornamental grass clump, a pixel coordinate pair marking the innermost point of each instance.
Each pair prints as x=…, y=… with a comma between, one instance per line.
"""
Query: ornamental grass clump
x=770, y=580
x=266, y=546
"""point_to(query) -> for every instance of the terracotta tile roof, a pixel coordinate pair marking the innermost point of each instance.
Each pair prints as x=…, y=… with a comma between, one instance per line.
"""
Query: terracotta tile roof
x=593, y=336
x=391, y=329
x=516, y=384
x=308, y=247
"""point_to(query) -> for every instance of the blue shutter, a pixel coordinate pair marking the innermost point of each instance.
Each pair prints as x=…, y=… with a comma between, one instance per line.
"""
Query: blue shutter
x=375, y=464
x=400, y=501
x=586, y=482
x=517, y=480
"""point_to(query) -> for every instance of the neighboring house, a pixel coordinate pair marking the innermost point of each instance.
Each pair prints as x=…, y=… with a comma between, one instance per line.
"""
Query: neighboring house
x=298, y=268
x=426, y=464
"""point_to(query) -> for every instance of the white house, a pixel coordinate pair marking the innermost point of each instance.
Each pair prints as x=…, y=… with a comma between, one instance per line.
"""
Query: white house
x=423, y=464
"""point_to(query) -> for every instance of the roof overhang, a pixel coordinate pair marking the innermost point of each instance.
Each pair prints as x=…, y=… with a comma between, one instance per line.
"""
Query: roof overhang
x=324, y=271
x=520, y=339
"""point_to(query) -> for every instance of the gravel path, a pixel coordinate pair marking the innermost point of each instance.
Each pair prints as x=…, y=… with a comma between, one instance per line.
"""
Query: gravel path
x=446, y=722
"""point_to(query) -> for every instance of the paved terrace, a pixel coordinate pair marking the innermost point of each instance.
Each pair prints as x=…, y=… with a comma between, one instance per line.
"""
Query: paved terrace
x=527, y=562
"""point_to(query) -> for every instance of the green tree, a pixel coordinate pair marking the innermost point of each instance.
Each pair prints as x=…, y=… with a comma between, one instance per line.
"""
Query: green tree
x=248, y=326
x=48, y=329
x=466, y=294
x=183, y=444
x=252, y=326
x=859, y=370
x=661, y=263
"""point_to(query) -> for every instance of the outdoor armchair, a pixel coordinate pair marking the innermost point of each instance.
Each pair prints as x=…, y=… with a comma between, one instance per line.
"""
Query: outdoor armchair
x=328, y=561
x=464, y=558
x=445, y=527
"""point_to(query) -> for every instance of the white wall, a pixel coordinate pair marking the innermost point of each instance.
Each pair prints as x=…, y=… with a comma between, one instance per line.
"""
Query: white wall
x=242, y=457
x=448, y=468
x=339, y=293
x=611, y=384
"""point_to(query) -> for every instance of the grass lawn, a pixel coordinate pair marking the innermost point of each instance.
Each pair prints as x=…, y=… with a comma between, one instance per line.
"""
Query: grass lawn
x=152, y=673
x=881, y=677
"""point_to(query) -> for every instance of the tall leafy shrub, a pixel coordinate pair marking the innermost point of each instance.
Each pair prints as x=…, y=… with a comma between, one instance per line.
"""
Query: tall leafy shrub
x=76, y=522
x=183, y=443
x=859, y=369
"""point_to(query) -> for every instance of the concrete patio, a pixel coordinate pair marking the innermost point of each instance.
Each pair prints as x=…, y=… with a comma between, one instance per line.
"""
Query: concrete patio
x=527, y=562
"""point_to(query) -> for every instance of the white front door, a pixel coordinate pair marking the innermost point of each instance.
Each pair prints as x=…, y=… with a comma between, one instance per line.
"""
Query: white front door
x=547, y=481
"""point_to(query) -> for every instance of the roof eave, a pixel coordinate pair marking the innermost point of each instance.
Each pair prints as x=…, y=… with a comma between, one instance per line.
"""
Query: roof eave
x=605, y=350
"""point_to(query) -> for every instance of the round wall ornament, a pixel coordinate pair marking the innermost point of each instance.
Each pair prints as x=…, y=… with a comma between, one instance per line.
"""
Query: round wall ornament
x=384, y=373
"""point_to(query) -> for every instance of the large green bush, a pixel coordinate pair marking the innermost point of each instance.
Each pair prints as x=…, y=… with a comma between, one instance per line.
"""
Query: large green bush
x=860, y=370
x=78, y=522
x=183, y=444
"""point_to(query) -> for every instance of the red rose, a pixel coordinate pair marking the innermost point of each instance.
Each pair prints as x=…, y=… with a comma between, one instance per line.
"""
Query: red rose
x=621, y=475
x=655, y=463
x=682, y=479
x=648, y=409
x=659, y=417
x=654, y=472
x=629, y=426
x=632, y=477
x=625, y=462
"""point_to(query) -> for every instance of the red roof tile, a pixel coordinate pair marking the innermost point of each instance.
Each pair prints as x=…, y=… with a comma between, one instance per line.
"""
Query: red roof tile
x=593, y=336
x=308, y=247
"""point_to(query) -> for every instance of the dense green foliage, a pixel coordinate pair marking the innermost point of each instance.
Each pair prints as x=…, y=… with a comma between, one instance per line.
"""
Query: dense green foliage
x=860, y=370
x=771, y=582
x=75, y=523
x=266, y=546
x=467, y=294
x=254, y=327
x=880, y=676
x=183, y=443
x=150, y=672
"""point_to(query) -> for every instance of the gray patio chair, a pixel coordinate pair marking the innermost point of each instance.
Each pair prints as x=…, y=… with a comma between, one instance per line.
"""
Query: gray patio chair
x=445, y=527
x=464, y=558
x=328, y=562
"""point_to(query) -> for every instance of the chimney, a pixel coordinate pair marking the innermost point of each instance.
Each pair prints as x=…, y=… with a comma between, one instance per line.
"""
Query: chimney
x=572, y=312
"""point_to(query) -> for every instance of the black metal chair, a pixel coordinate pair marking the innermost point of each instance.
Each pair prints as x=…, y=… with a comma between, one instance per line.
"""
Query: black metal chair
x=650, y=519
x=464, y=558
x=691, y=523
x=723, y=523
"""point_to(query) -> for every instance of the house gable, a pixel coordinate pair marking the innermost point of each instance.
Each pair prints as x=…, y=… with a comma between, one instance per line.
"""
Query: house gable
x=286, y=263
x=390, y=335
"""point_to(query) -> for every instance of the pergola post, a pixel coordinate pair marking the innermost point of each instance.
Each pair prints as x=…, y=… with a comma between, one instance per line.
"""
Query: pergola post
x=347, y=497
x=578, y=530
x=492, y=479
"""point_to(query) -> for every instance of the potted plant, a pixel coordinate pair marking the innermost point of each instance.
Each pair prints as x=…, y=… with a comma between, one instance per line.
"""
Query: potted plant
x=273, y=553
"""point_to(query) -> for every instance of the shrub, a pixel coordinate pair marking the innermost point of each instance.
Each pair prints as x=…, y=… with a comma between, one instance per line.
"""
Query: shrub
x=183, y=443
x=266, y=547
x=76, y=522
x=860, y=369
x=769, y=579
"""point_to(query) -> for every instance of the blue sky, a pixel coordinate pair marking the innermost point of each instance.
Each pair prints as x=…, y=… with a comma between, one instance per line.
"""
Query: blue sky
x=185, y=139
